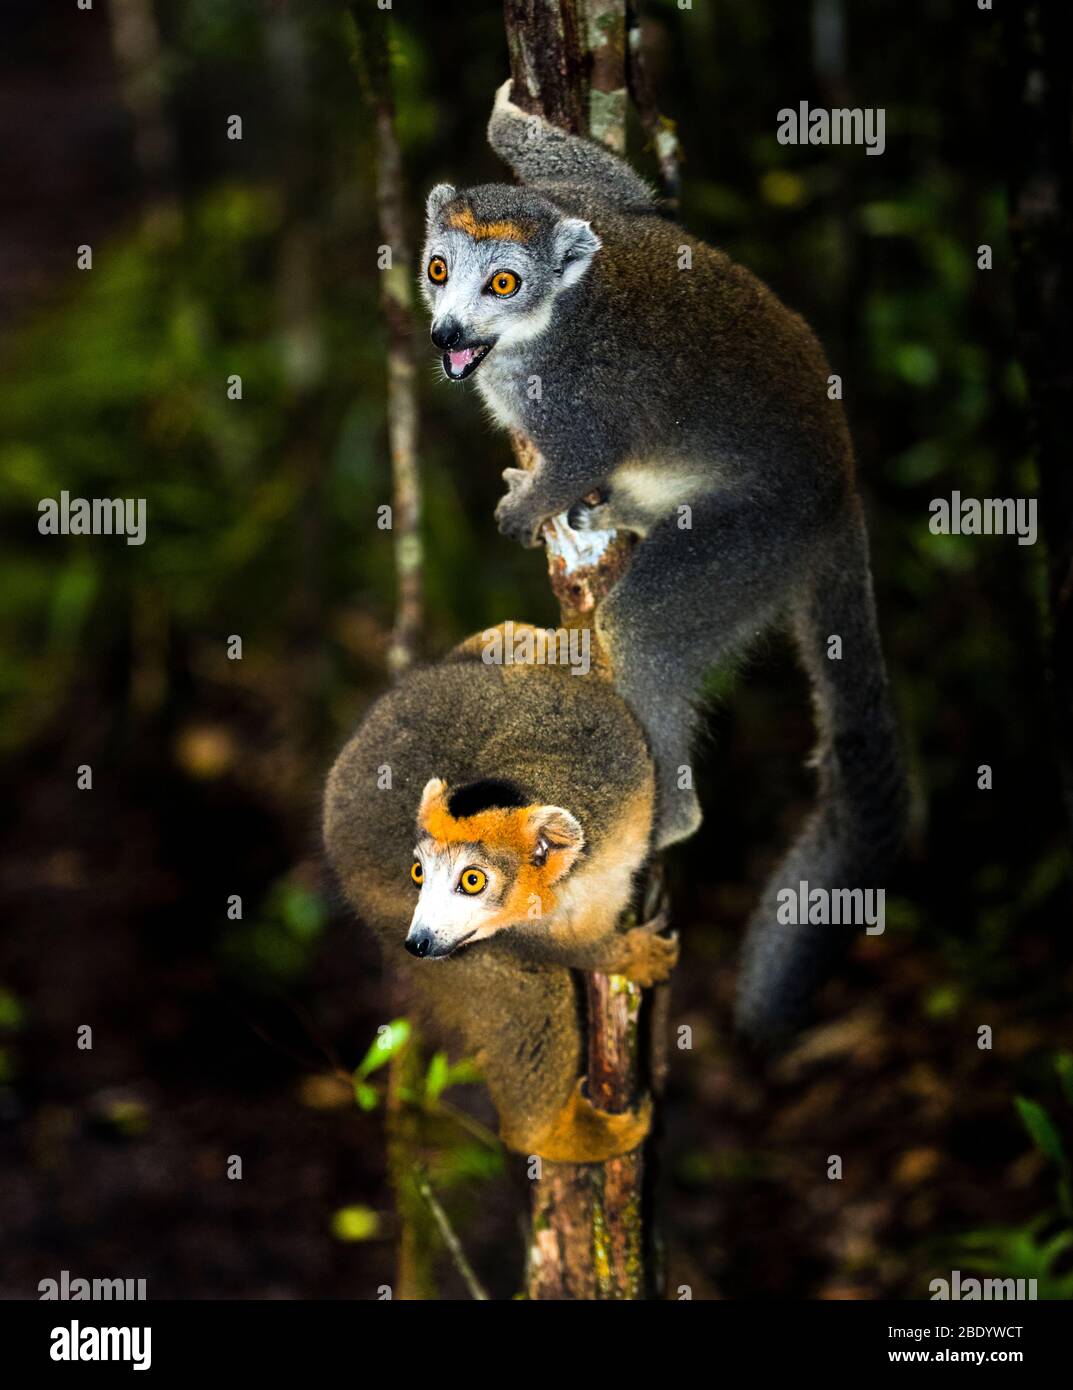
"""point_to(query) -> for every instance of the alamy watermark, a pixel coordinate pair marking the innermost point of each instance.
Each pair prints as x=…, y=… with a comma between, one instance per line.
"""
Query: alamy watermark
x=835, y=907
x=995, y=1290
x=78, y=1343
x=805, y=125
x=524, y=645
x=76, y=1290
x=986, y=516
x=96, y=516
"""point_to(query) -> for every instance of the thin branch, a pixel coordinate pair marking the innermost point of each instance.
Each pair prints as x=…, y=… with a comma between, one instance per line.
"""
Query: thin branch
x=396, y=296
x=469, y=1124
x=454, y=1245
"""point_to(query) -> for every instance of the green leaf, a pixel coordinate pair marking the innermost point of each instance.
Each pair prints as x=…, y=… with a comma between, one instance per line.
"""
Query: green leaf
x=464, y=1073
x=11, y=1013
x=303, y=912
x=439, y=1074
x=389, y=1039
x=367, y=1096
x=1042, y=1131
x=1063, y=1065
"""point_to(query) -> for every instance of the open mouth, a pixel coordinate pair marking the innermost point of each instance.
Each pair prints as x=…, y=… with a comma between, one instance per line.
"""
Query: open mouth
x=460, y=363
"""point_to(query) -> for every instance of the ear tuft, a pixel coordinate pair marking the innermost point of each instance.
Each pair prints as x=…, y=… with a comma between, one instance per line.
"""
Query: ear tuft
x=438, y=199
x=557, y=837
x=575, y=245
x=434, y=795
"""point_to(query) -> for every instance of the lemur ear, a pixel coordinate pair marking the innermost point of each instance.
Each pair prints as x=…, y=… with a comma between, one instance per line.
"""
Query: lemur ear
x=575, y=245
x=557, y=839
x=440, y=196
x=432, y=797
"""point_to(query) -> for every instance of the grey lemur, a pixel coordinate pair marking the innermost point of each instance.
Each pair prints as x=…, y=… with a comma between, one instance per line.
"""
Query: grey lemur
x=669, y=393
x=492, y=819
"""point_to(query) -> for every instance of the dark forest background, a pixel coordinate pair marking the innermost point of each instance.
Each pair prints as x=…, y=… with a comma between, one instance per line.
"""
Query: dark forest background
x=258, y=257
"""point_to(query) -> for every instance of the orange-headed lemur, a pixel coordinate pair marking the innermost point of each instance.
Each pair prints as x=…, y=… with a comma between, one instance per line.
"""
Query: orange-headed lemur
x=668, y=393
x=492, y=819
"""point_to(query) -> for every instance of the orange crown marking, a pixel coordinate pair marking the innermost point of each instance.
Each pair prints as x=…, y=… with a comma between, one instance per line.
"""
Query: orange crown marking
x=464, y=221
x=504, y=828
x=498, y=826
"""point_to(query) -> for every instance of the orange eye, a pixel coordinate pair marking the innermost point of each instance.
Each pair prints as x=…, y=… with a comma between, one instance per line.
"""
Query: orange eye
x=437, y=270
x=504, y=283
x=472, y=881
x=417, y=873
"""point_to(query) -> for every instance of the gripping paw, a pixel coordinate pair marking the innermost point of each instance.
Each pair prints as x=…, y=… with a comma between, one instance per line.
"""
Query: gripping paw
x=645, y=957
x=581, y=1133
x=518, y=515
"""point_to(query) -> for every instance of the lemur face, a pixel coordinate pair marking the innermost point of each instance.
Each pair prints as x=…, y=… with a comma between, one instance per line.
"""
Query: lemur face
x=484, y=861
x=495, y=260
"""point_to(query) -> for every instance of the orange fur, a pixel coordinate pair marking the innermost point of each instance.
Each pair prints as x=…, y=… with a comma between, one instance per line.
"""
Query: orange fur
x=464, y=221
x=504, y=828
x=580, y=1133
x=497, y=826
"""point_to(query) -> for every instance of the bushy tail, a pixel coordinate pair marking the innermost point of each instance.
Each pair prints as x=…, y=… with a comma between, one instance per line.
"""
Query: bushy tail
x=852, y=838
x=541, y=153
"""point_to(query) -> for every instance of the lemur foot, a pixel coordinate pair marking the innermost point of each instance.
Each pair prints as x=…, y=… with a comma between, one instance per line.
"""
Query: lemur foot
x=645, y=957
x=581, y=1133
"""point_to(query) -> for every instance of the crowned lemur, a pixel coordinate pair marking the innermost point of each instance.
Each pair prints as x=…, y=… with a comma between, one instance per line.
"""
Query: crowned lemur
x=501, y=852
x=668, y=393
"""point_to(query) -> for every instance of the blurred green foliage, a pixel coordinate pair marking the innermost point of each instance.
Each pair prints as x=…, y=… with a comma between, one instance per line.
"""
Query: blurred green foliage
x=257, y=259
x=1034, y=1251
x=389, y=1040
x=1042, y=1247
x=276, y=946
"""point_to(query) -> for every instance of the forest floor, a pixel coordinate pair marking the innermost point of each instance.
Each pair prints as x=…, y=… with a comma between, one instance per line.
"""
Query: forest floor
x=113, y=1161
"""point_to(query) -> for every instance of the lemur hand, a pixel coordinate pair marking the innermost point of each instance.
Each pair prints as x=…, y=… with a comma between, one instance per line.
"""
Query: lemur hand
x=521, y=514
x=589, y=512
x=642, y=955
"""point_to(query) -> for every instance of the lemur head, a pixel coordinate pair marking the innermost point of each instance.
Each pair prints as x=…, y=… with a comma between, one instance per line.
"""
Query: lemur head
x=486, y=858
x=495, y=260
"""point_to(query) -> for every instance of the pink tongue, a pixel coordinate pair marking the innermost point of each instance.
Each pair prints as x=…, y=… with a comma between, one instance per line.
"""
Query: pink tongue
x=462, y=359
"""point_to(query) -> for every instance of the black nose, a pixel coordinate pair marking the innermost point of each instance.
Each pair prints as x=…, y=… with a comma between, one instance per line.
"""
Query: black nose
x=447, y=334
x=419, y=943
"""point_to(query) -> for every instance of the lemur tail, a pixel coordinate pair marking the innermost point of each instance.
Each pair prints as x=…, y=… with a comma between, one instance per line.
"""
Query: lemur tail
x=853, y=836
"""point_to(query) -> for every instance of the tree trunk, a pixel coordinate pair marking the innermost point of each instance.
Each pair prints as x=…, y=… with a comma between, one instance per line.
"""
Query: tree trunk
x=1040, y=163
x=590, y=1236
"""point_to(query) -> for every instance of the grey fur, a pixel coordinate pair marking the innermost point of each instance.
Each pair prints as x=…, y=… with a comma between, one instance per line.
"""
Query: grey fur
x=661, y=387
x=540, y=153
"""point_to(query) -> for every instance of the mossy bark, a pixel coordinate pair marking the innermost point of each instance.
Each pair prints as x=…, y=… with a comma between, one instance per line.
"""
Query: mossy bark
x=591, y=1233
